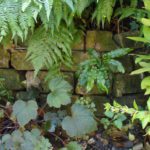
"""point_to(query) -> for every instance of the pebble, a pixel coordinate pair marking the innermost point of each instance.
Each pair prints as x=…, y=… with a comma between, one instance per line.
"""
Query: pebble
x=91, y=141
x=138, y=146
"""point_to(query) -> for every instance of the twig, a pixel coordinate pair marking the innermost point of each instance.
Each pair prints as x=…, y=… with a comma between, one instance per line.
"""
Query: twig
x=58, y=138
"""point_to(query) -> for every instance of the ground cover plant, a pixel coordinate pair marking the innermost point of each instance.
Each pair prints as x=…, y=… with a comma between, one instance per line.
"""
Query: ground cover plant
x=49, y=28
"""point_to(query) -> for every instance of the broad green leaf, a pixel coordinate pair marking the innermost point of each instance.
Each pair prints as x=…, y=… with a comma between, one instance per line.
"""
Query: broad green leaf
x=145, y=21
x=139, y=71
x=80, y=123
x=60, y=92
x=138, y=39
x=141, y=58
x=25, y=111
x=145, y=121
x=109, y=114
x=118, y=53
x=25, y=140
x=116, y=66
x=144, y=64
x=147, y=4
x=148, y=104
x=146, y=32
x=118, y=123
x=135, y=105
x=145, y=84
x=148, y=130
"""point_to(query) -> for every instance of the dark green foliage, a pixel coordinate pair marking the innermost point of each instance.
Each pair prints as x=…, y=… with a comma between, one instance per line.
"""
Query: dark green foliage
x=104, y=11
x=48, y=50
x=113, y=119
x=98, y=69
x=60, y=92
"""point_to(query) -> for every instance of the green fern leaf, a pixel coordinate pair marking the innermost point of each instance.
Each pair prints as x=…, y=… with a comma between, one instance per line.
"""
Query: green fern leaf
x=47, y=50
x=104, y=11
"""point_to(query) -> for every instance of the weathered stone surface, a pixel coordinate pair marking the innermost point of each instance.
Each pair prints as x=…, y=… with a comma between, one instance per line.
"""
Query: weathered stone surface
x=100, y=40
x=126, y=84
x=82, y=91
x=99, y=103
x=13, y=79
x=78, y=57
x=122, y=40
x=4, y=58
x=129, y=99
x=39, y=82
x=79, y=45
x=18, y=61
x=127, y=62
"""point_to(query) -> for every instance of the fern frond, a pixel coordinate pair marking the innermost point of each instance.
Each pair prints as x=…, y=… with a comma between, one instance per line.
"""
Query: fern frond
x=81, y=5
x=47, y=50
x=104, y=11
x=134, y=3
x=14, y=21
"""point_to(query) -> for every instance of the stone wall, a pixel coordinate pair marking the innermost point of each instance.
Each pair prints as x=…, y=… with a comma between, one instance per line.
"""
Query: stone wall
x=125, y=88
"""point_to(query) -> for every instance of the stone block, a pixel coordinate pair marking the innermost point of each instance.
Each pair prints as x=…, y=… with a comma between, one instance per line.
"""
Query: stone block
x=129, y=99
x=78, y=57
x=122, y=40
x=79, y=45
x=100, y=40
x=19, y=62
x=4, y=58
x=13, y=80
x=99, y=103
x=126, y=84
x=128, y=63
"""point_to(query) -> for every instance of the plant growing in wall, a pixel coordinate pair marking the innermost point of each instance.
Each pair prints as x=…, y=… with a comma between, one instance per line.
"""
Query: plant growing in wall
x=144, y=62
x=98, y=69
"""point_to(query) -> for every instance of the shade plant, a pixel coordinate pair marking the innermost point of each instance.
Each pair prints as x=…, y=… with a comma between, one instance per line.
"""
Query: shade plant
x=49, y=28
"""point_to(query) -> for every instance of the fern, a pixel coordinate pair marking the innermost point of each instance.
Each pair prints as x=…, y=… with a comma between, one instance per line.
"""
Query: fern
x=50, y=50
x=19, y=17
x=81, y=5
x=104, y=11
x=14, y=21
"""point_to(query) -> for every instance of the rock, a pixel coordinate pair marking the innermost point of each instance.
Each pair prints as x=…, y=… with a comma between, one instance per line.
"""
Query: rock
x=79, y=45
x=122, y=40
x=99, y=103
x=82, y=91
x=100, y=40
x=78, y=57
x=91, y=141
x=127, y=62
x=4, y=58
x=19, y=62
x=138, y=146
x=126, y=84
x=12, y=79
x=128, y=100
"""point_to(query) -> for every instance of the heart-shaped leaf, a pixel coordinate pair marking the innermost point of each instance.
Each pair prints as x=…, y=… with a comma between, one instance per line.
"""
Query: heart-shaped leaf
x=59, y=95
x=81, y=122
x=25, y=111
